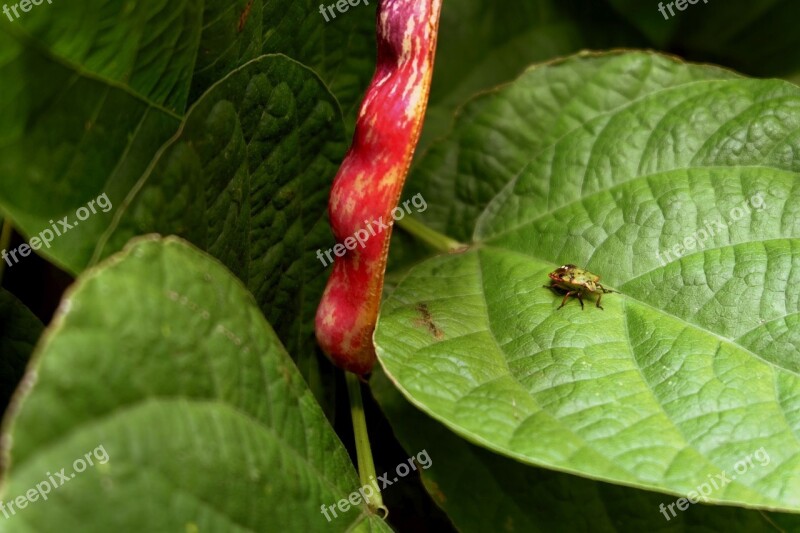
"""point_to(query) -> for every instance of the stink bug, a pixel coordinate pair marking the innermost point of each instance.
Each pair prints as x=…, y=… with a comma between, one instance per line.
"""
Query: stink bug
x=576, y=282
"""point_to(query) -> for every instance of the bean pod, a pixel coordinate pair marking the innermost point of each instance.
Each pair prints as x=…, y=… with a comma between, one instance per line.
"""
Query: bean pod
x=370, y=180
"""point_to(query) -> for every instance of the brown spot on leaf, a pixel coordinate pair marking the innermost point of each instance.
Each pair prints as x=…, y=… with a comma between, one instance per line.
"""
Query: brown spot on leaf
x=245, y=15
x=435, y=492
x=427, y=320
x=285, y=374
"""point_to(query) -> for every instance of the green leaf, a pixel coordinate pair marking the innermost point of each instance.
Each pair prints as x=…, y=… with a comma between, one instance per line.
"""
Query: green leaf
x=341, y=51
x=19, y=331
x=66, y=137
x=66, y=142
x=692, y=367
x=160, y=364
x=146, y=47
x=496, y=490
x=92, y=91
x=496, y=133
x=247, y=179
x=232, y=35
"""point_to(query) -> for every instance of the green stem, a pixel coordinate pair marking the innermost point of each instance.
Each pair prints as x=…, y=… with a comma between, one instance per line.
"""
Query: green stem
x=366, y=468
x=440, y=242
x=5, y=240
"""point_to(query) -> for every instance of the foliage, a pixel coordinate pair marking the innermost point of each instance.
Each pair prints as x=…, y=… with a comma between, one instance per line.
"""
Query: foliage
x=191, y=357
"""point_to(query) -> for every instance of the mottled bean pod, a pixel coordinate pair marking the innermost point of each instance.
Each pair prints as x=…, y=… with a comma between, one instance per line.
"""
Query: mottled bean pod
x=370, y=180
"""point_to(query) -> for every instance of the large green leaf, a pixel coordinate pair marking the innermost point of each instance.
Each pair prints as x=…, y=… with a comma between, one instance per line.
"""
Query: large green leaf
x=66, y=137
x=146, y=47
x=496, y=134
x=80, y=121
x=496, y=492
x=19, y=331
x=160, y=363
x=693, y=367
x=92, y=90
x=247, y=179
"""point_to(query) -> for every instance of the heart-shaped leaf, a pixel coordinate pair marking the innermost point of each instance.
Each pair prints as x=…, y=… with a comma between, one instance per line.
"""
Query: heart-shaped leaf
x=681, y=192
x=160, y=368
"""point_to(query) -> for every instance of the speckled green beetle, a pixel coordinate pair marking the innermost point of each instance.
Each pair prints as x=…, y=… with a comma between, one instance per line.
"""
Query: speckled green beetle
x=577, y=282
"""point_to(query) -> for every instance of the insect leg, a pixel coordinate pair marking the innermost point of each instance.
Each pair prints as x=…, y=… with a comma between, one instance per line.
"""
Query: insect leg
x=564, y=301
x=556, y=288
x=606, y=290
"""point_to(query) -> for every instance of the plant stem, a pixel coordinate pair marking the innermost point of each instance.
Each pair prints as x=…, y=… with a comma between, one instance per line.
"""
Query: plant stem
x=366, y=468
x=5, y=240
x=440, y=242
